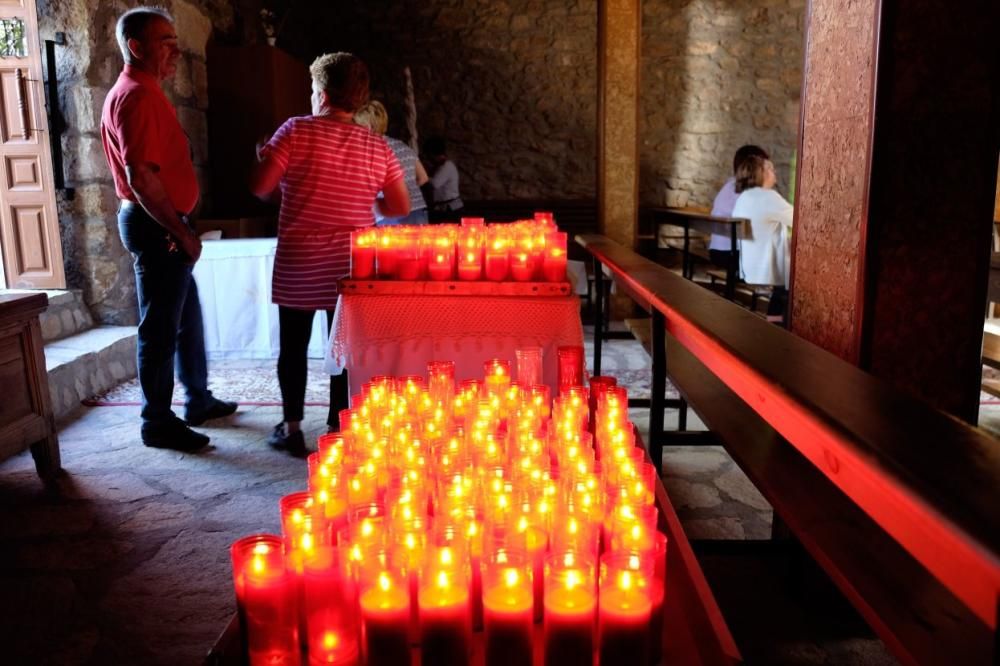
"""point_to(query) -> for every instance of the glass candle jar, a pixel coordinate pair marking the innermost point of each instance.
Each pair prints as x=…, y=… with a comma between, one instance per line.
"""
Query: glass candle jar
x=265, y=600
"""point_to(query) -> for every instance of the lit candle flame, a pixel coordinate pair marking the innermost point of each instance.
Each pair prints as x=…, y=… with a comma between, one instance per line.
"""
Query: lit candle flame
x=511, y=577
x=442, y=579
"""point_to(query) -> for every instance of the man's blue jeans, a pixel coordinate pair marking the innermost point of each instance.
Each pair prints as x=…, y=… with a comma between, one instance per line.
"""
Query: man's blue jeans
x=170, y=322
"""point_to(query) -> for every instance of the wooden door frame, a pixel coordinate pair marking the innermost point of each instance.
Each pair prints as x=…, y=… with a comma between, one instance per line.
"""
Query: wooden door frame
x=35, y=192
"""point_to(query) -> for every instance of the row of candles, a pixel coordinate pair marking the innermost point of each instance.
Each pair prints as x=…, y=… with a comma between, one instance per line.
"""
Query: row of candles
x=439, y=509
x=525, y=251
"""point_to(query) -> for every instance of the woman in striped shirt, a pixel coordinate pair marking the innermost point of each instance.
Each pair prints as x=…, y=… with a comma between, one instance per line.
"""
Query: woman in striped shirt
x=374, y=116
x=328, y=170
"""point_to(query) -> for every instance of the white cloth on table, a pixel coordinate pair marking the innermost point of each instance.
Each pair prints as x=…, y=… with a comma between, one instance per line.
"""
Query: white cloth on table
x=234, y=284
x=398, y=335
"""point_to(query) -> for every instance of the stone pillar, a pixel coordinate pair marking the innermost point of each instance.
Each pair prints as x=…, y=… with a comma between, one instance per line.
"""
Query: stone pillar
x=618, y=118
x=896, y=190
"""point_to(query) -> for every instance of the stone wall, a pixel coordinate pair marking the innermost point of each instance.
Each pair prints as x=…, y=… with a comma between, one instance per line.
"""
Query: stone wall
x=716, y=74
x=87, y=67
x=512, y=85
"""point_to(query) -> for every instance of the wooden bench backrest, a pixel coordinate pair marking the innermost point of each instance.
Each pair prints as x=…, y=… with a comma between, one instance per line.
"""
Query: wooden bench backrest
x=928, y=480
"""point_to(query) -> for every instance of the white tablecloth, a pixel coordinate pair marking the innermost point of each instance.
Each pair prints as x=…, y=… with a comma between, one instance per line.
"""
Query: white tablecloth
x=234, y=283
x=398, y=335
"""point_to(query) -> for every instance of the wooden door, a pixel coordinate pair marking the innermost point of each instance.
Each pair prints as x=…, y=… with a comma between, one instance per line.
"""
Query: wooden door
x=29, y=226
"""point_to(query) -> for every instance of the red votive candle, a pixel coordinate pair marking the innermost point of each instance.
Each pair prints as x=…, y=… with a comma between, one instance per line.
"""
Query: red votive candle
x=545, y=217
x=265, y=600
x=507, y=608
x=330, y=608
x=441, y=259
x=554, y=259
x=387, y=254
x=470, y=265
x=496, y=371
x=363, y=254
x=522, y=265
x=469, y=249
x=497, y=259
x=441, y=380
x=570, y=367
x=385, y=610
x=536, y=542
x=445, y=612
x=624, y=608
x=570, y=604
x=409, y=264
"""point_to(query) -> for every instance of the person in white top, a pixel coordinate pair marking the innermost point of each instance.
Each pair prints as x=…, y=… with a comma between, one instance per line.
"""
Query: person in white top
x=721, y=245
x=765, y=258
x=444, y=183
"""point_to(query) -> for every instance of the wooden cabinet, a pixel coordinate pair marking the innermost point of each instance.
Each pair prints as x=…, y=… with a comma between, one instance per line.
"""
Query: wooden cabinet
x=25, y=409
x=252, y=90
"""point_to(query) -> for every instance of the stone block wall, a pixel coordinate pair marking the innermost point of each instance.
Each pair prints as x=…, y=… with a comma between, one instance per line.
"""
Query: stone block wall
x=716, y=74
x=512, y=85
x=87, y=66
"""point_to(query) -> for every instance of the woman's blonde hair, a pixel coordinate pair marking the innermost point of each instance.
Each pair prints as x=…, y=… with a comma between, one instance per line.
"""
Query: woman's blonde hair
x=373, y=116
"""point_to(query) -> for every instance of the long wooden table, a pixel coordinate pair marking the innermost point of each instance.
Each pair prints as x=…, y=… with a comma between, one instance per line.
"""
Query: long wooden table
x=733, y=228
x=694, y=630
x=848, y=462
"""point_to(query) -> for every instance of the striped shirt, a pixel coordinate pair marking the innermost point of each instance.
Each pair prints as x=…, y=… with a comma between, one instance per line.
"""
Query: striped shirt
x=408, y=161
x=332, y=172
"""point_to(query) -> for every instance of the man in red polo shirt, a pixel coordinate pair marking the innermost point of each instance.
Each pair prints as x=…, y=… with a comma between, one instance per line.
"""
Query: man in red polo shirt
x=150, y=160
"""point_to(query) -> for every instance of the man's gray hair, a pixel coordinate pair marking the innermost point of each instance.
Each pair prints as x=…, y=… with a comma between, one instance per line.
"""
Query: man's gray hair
x=133, y=23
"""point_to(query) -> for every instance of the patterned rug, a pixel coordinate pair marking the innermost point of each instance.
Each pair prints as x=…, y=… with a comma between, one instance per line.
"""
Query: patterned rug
x=256, y=383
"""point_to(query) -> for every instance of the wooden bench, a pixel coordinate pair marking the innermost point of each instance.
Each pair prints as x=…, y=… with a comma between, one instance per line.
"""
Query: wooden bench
x=897, y=502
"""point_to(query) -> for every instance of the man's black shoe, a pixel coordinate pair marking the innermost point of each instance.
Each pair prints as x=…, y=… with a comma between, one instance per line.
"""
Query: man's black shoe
x=216, y=410
x=282, y=440
x=173, y=434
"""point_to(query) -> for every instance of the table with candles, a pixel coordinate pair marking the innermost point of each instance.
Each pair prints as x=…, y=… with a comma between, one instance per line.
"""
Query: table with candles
x=468, y=292
x=485, y=521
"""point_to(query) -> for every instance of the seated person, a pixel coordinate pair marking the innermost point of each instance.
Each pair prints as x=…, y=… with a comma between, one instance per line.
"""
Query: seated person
x=721, y=246
x=764, y=258
x=444, y=183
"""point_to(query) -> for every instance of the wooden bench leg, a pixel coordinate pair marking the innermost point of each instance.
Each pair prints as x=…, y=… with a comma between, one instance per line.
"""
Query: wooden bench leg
x=599, y=315
x=657, y=390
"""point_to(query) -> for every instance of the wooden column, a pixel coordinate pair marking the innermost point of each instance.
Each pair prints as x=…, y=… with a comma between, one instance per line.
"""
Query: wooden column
x=618, y=118
x=895, y=195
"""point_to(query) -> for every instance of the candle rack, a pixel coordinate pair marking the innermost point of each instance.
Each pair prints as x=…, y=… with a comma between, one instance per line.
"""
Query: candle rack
x=544, y=526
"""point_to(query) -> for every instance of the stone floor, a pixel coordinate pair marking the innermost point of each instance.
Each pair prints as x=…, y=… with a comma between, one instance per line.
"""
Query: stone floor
x=128, y=562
